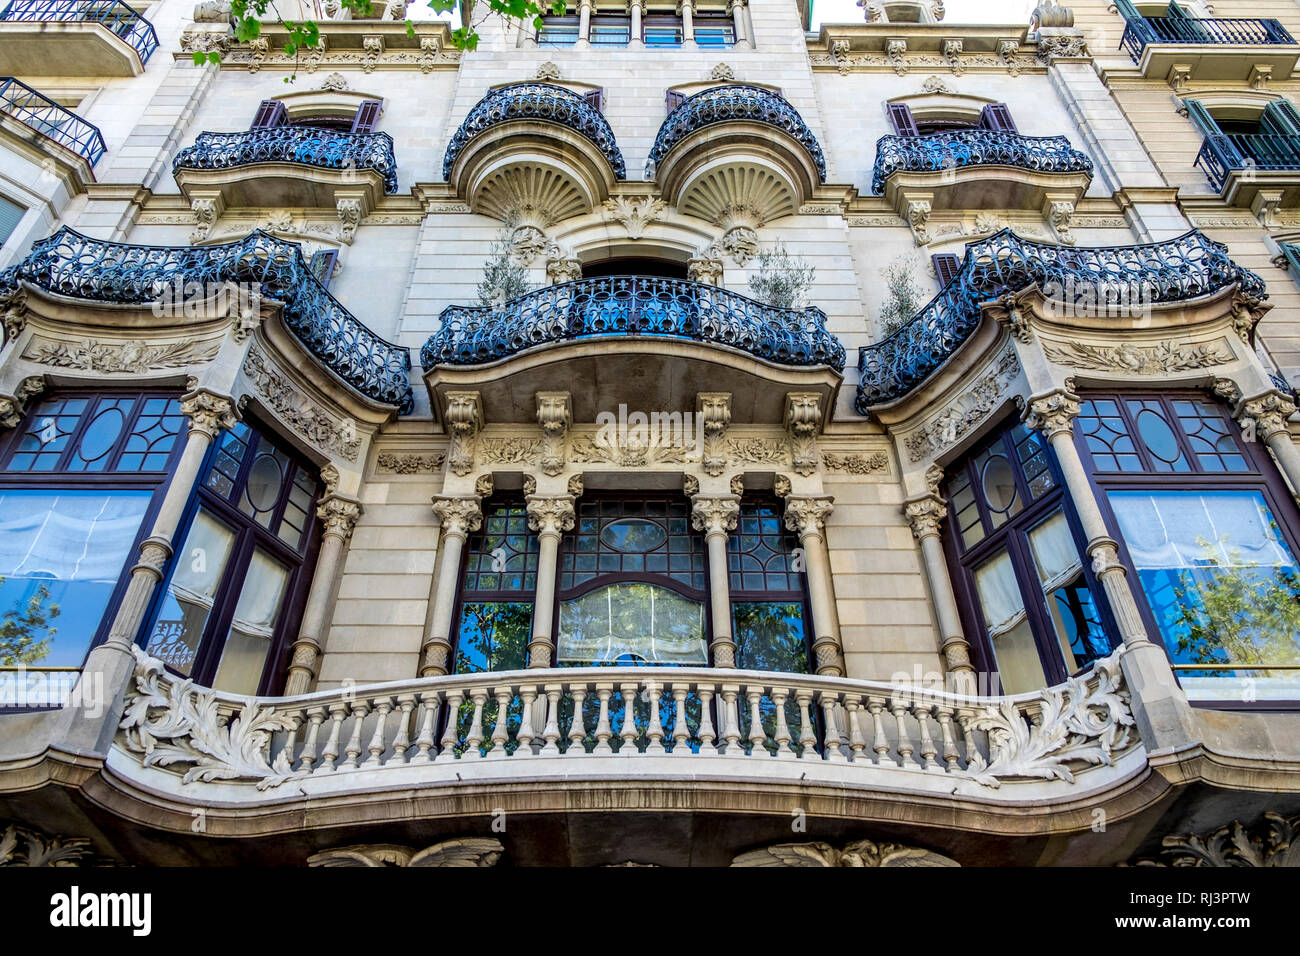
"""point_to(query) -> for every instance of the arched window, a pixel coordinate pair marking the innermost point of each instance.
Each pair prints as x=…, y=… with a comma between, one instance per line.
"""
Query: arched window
x=240, y=573
x=80, y=478
x=1018, y=564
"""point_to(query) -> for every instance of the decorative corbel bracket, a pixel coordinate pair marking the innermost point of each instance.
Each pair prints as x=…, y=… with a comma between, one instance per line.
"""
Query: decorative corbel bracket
x=464, y=420
x=554, y=415
x=803, y=419
x=714, y=412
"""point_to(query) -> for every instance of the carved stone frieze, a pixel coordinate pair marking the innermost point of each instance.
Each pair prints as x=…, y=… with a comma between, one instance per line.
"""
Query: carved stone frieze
x=965, y=411
x=634, y=214
x=857, y=853
x=631, y=450
x=759, y=451
x=1159, y=359
x=313, y=423
x=514, y=450
x=22, y=846
x=408, y=464
x=129, y=358
x=1272, y=841
x=473, y=851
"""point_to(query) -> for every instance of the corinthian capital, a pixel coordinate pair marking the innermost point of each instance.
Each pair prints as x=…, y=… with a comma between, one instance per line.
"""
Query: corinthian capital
x=714, y=514
x=1267, y=414
x=808, y=515
x=1052, y=413
x=925, y=515
x=459, y=516
x=208, y=412
x=550, y=515
x=339, y=515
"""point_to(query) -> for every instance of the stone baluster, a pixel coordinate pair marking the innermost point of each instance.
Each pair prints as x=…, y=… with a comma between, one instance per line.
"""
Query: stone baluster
x=857, y=742
x=378, y=744
x=288, y=752
x=628, y=731
x=928, y=750
x=458, y=517
x=782, y=737
x=360, y=709
x=951, y=757
x=807, y=736
x=500, y=732
x=757, y=735
x=550, y=517
x=524, y=735
x=974, y=759
x=730, y=718
x=655, y=728
x=474, y=737
x=905, y=760
x=716, y=516
x=552, y=730
x=706, y=733
x=402, y=739
x=450, y=733
x=879, y=741
x=315, y=716
x=833, y=740
x=925, y=515
x=807, y=517
x=424, y=742
x=331, y=752
x=681, y=730
x=577, y=727
x=603, y=731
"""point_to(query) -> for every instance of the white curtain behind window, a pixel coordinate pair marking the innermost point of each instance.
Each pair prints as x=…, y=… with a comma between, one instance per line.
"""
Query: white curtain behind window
x=1174, y=529
x=68, y=535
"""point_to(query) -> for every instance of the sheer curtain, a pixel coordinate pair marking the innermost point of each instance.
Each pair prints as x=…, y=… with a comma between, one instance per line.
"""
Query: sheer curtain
x=249, y=641
x=1173, y=529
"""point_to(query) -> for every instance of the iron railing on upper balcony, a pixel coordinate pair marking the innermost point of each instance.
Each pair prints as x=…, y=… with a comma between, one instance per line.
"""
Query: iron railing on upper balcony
x=633, y=305
x=735, y=102
x=939, y=152
x=48, y=118
x=1139, y=33
x=115, y=15
x=536, y=101
x=77, y=266
x=302, y=145
x=1173, y=270
x=1247, y=152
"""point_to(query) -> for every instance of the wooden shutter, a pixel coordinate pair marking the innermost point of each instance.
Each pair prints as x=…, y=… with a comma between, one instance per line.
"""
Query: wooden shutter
x=998, y=116
x=1175, y=12
x=900, y=114
x=1127, y=10
x=10, y=215
x=596, y=100
x=672, y=100
x=1280, y=118
x=321, y=265
x=367, y=116
x=270, y=113
x=1200, y=116
x=946, y=267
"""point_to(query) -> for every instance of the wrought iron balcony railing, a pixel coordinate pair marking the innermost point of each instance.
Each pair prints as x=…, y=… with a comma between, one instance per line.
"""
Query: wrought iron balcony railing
x=1174, y=270
x=47, y=117
x=633, y=305
x=536, y=101
x=1146, y=30
x=1248, y=152
x=974, y=147
x=304, y=145
x=724, y=104
x=115, y=15
x=68, y=263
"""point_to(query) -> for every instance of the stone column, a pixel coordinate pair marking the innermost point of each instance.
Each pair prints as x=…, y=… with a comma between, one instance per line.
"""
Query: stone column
x=807, y=516
x=550, y=517
x=716, y=516
x=208, y=413
x=737, y=10
x=339, y=516
x=686, y=9
x=636, y=8
x=1267, y=415
x=1163, y=713
x=584, y=26
x=925, y=515
x=458, y=517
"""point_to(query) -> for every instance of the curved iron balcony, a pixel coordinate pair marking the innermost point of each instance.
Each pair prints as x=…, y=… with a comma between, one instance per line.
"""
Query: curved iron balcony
x=632, y=305
x=115, y=15
x=536, y=101
x=1187, y=30
x=305, y=145
x=723, y=104
x=974, y=147
x=1174, y=270
x=68, y=263
x=47, y=117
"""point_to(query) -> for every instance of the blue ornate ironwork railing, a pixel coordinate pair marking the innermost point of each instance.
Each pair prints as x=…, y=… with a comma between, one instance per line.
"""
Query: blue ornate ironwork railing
x=1170, y=271
x=633, y=305
x=974, y=147
x=304, y=145
x=116, y=16
x=47, y=117
x=1146, y=30
x=724, y=104
x=1227, y=152
x=536, y=101
x=70, y=264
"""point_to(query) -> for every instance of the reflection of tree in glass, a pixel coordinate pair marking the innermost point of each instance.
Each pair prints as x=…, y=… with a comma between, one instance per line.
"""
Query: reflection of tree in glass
x=656, y=624
x=21, y=627
x=770, y=637
x=1239, y=613
x=493, y=637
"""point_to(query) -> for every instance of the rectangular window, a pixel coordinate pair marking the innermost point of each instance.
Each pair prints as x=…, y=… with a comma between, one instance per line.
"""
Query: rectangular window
x=10, y=215
x=61, y=555
x=558, y=31
x=610, y=31
x=662, y=31
x=714, y=31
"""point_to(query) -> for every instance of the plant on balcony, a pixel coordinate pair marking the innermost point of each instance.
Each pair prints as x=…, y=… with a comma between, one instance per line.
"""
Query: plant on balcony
x=782, y=280
x=903, y=294
x=504, y=276
x=21, y=627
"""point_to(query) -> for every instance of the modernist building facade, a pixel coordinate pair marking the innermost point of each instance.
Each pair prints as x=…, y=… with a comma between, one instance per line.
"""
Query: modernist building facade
x=318, y=548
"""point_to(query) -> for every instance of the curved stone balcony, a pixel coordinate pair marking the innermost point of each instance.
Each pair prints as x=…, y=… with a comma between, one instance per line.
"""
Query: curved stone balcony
x=1173, y=270
x=736, y=155
x=579, y=740
x=979, y=169
x=74, y=38
x=288, y=166
x=533, y=145
x=79, y=267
